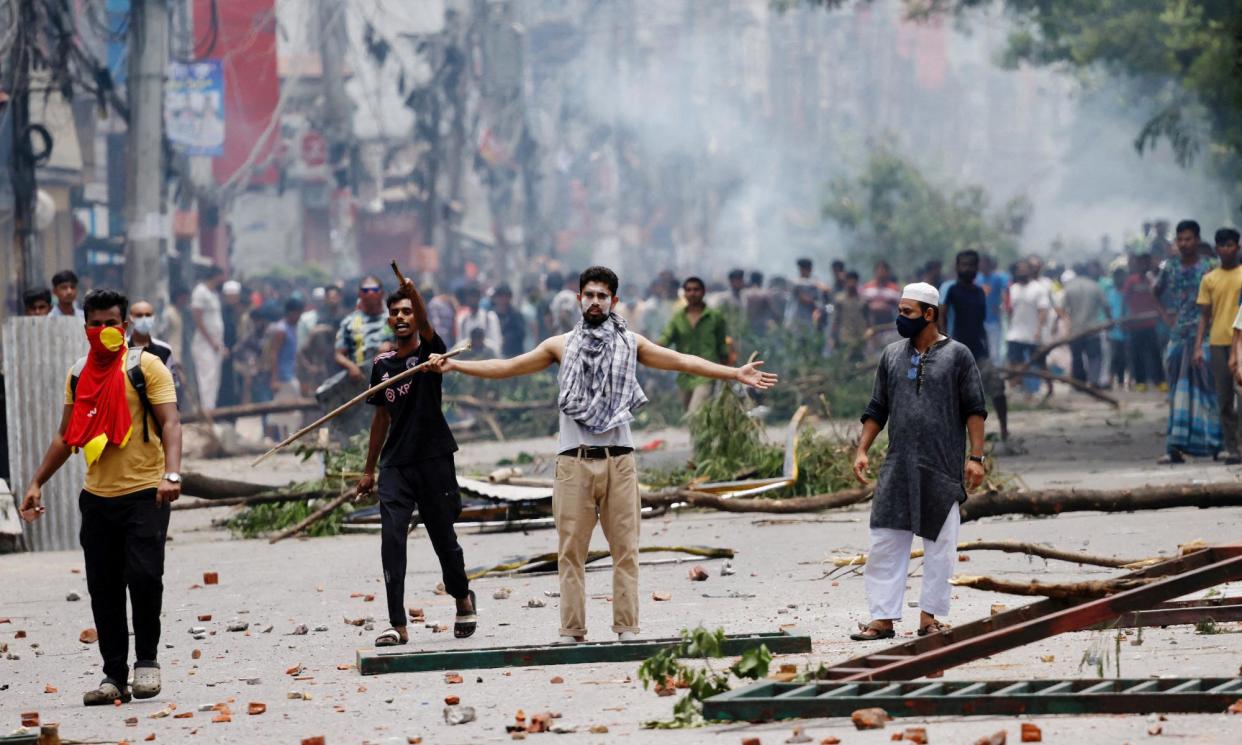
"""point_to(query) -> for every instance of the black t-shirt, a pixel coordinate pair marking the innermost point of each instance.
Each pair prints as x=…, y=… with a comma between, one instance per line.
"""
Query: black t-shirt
x=417, y=429
x=968, y=308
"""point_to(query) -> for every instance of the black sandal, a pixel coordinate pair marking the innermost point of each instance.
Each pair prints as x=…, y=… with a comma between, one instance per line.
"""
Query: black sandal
x=464, y=626
x=867, y=633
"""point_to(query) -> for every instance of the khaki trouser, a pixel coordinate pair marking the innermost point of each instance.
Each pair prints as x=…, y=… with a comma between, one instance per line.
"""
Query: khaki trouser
x=694, y=398
x=607, y=487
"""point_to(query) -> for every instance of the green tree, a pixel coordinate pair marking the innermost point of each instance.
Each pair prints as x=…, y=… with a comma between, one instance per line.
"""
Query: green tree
x=892, y=210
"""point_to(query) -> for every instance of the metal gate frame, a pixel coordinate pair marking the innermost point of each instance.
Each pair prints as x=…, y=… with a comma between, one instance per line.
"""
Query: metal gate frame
x=935, y=653
x=767, y=701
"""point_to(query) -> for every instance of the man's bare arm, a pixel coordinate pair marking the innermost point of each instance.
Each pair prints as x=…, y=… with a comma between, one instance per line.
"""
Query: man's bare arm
x=408, y=289
x=663, y=358
x=539, y=358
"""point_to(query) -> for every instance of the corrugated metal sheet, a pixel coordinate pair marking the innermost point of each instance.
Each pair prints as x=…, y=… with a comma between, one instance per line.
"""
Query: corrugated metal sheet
x=38, y=353
x=504, y=492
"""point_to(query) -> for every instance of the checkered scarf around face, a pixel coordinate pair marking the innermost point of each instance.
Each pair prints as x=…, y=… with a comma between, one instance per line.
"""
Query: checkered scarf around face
x=599, y=381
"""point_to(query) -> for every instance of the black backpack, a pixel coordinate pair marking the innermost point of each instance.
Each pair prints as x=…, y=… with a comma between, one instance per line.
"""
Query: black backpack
x=133, y=371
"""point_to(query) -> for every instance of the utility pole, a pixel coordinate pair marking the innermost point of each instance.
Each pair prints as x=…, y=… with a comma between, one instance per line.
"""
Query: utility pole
x=144, y=185
x=337, y=119
x=22, y=160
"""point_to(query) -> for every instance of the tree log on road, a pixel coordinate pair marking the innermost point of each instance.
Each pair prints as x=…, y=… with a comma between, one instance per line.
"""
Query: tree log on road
x=1018, y=371
x=1014, y=547
x=208, y=487
x=243, y=410
x=1056, y=501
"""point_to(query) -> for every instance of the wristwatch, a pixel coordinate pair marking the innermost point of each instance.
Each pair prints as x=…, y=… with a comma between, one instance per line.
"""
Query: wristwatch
x=975, y=458
x=172, y=478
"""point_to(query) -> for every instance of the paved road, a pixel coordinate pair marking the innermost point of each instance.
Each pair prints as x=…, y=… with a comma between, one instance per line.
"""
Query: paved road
x=778, y=581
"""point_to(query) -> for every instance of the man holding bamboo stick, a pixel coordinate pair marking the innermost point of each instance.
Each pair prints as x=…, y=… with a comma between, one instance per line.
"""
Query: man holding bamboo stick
x=596, y=479
x=414, y=448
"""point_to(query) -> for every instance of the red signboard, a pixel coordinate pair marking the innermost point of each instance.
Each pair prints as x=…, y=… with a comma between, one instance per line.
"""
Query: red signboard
x=242, y=35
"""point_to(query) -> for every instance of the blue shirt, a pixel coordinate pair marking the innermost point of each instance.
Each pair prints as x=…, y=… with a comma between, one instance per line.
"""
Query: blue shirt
x=1116, y=308
x=965, y=312
x=994, y=286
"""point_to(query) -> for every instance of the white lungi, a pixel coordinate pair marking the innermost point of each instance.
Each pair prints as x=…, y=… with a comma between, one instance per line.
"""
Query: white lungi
x=206, y=371
x=889, y=561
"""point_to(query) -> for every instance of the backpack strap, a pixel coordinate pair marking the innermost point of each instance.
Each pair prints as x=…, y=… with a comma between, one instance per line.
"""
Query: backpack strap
x=75, y=372
x=133, y=370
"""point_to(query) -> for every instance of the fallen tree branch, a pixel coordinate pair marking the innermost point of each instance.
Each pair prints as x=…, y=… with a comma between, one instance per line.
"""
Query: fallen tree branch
x=316, y=516
x=209, y=487
x=542, y=562
x=1015, y=547
x=483, y=404
x=1101, y=327
x=843, y=498
x=1014, y=372
x=225, y=413
x=1058, y=591
x=1056, y=501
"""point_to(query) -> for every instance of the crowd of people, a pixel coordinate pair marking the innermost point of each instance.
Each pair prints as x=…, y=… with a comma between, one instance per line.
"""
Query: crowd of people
x=265, y=340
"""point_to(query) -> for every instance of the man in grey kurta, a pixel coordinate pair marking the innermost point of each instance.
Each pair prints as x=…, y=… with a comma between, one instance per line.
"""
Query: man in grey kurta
x=929, y=393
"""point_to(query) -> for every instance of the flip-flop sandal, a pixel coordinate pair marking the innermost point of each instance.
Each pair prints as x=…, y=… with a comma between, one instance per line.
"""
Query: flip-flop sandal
x=935, y=627
x=464, y=626
x=389, y=638
x=867, y=633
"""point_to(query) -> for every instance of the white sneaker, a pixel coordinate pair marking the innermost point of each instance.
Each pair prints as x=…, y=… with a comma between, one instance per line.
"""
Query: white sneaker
x=567, y=640
x=626, y=636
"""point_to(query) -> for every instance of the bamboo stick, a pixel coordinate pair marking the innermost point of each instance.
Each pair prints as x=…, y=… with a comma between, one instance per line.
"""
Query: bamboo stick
x=456, y=350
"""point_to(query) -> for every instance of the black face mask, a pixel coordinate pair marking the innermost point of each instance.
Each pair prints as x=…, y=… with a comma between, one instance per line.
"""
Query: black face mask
x=967, y=277
x=911, y=327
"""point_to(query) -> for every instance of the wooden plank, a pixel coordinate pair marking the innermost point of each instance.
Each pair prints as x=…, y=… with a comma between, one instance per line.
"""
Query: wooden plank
x=397, y=660
x=1214, y=696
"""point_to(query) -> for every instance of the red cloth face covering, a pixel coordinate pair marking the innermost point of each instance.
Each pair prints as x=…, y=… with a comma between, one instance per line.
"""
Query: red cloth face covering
x=100, y=410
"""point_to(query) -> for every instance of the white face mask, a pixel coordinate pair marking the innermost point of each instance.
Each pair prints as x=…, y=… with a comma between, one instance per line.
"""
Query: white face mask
x=143, y=325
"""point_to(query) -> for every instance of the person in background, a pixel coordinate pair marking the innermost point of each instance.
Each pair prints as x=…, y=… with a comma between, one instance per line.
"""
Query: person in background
x=850, y=323
x=881, y=294
x=760, y=315
x=660, y=305
x=933, y=273
x=473, y=315
x=1029, y=307
x=838, y=276
x=1118, y=352
x=1194, y=414
x=807, y=295
x=282, y=355
x=208, y=349
x=564, y=305
x=171, y=326
x=442, y=310
x=963, y=308
x=141, y=328
x=1218, y=308
x=1141, y=336
x=65, y=287
x=231, y=311
x=1085, y=305
x=512, y=322
x=543, y=306
x=364, y=331
x=37, y=301
x=699, y=331
x=995, y=284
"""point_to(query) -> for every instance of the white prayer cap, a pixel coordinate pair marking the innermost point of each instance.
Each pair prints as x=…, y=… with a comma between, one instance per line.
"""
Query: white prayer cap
x=231, y=287
x=922, y=292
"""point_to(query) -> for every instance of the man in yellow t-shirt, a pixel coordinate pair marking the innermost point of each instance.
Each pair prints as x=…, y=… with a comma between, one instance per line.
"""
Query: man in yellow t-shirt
x=130, y=486
x=1218, y=305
